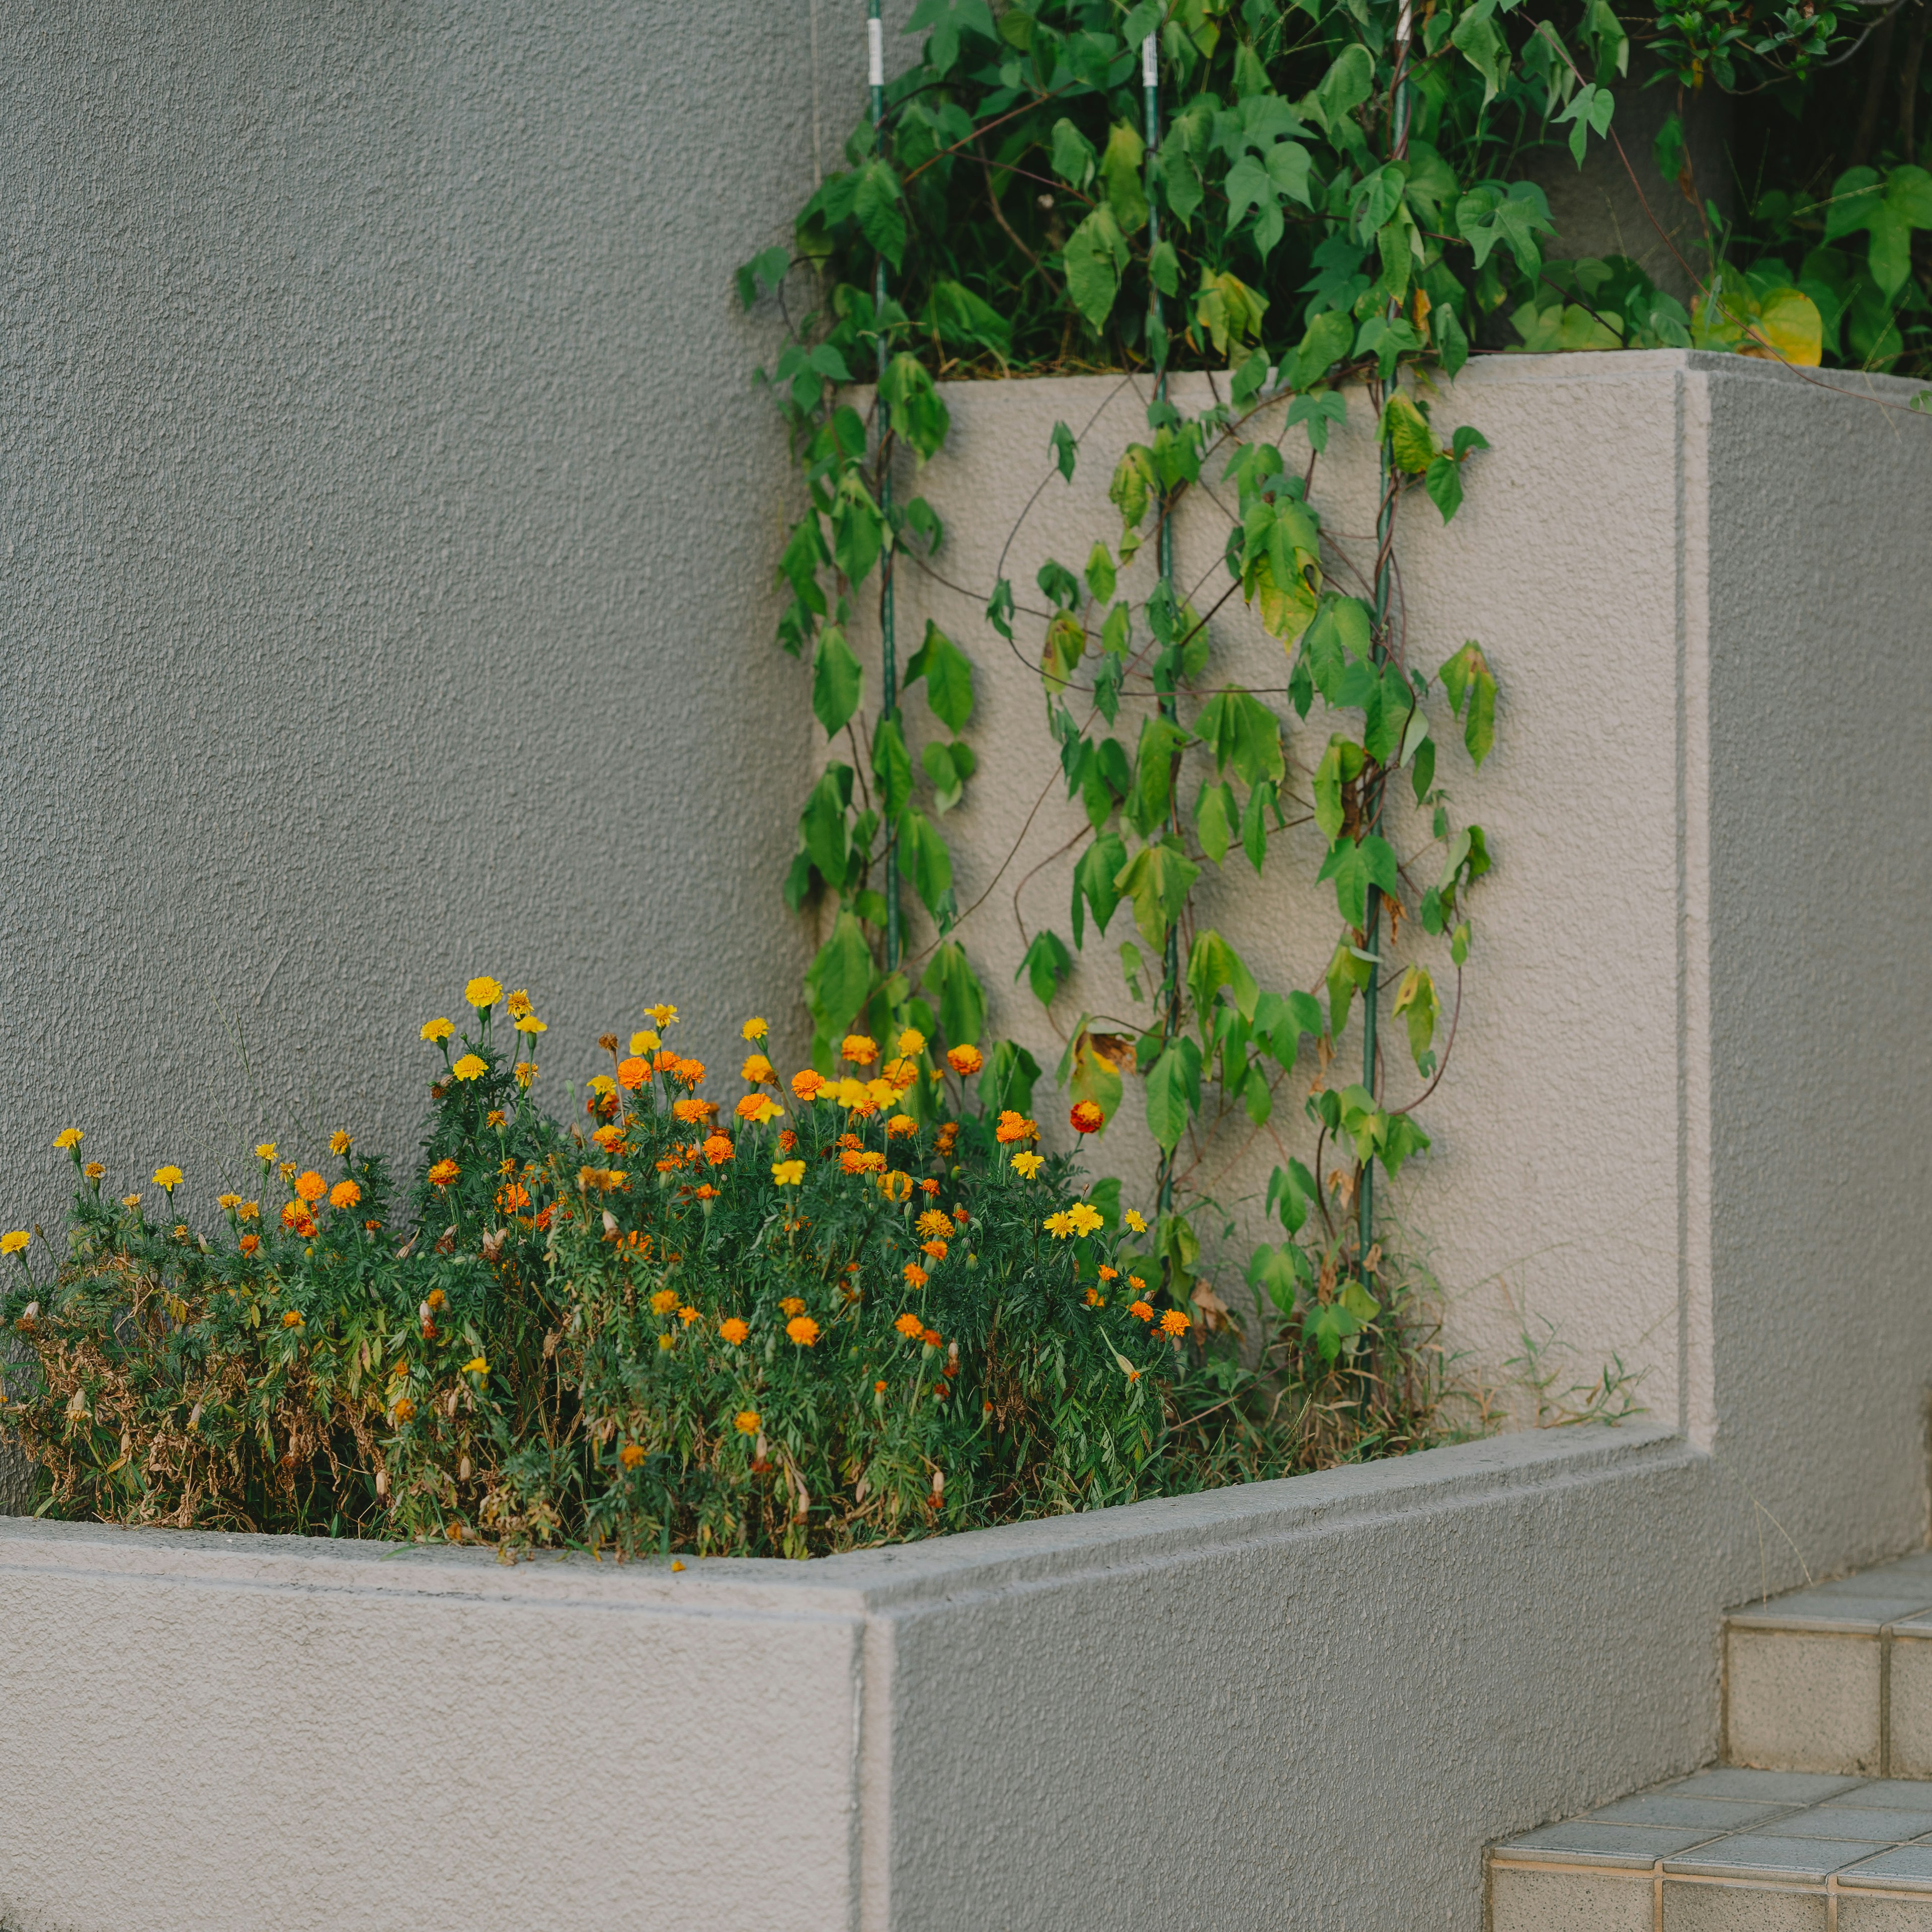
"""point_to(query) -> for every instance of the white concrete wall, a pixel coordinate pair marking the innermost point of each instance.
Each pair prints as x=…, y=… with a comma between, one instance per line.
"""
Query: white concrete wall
x=1687, y=1116
x=1306, y=1703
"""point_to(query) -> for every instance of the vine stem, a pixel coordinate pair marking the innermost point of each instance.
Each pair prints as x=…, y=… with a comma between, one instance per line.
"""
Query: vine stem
x=888, y=669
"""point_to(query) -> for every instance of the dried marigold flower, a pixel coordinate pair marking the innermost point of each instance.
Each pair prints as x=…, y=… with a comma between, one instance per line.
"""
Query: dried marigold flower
x=403, y=1411
x=734, y=1330
x=802, y=1330
x=344, y=1194
x=965, y=1060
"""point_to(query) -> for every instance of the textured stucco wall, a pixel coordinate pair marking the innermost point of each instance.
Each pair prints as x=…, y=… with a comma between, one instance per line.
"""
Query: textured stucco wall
x=388, y=516
x=1677, y=1108
x=1306, y=1703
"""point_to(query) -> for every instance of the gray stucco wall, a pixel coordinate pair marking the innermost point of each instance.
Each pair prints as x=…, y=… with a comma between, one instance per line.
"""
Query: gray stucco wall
x=388, y=516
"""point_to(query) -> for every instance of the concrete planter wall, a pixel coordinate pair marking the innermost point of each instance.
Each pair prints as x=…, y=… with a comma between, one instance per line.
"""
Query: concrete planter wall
x=1305, y=1703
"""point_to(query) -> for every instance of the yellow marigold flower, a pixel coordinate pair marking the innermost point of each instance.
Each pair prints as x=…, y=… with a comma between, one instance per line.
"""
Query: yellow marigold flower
x=965, y=1060
x=1135, y=1222
x=529, y=1023
x=471, y=1067
x=438, y=1029
x=477, y=1365
x=228, y=1203
x=130, y=1201
x=1140, y=1311
x=496, y=1118
x=247, y=1210
x=630, y=1455
x=805, y=1085
x=754, y=1029
x=911, y=1041
x=788, y=1173
x=791, y=1305
x=403, y=1411
x=288, y=1170
x=482, y=992
x=900, y=1074
x=802, y=1330
x=340, y=1143
x=910, y=1325
x=1085, y=1218
x=664, y=1301
x=168, y=1178
x=935, y=1224
x=526, y=1071
x=344, y=1194
x=644, y=1042
x=68, y=1138
x=1175, y=1323
x=898, y=1184
x=759, y=1108
x=518, y=1004
x=667, y=1340
x=311, y=1186
x=443, y=1173
x=12, y=1244
x=881, y=1093
x=756, y=1071
x=746, y=1422
x=860, y=1051
x=901, y=1125
x=291, y=1318
x=1058, y=1225
x=93, y=1170
x=662, y=1016
x=1028, y=1164
x=266, y=1151
x=734, y=1330
x=915, y=1276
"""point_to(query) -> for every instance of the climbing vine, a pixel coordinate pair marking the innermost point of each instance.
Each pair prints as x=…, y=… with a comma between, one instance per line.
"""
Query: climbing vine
x=1329, y=206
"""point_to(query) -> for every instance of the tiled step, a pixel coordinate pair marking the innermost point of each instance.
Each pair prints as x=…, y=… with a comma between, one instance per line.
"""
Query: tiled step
x=1838, y=1678
x=1729, y=1850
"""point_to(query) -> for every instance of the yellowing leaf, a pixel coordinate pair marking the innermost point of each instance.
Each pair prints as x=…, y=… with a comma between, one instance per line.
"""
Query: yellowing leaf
x=1787, y=328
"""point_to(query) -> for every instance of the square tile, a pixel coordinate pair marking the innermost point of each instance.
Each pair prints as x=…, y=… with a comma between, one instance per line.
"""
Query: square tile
x=1580, y=1842
x=1863, y=1610
x=1764, y=1854
x=1768, y=1787
x=1897, y=1794
x=1802, y=1701
x=1906, y=1867
x=1689, y=1810
x=1875, y=1824
x=1689, y=1907
x=1536, y=1901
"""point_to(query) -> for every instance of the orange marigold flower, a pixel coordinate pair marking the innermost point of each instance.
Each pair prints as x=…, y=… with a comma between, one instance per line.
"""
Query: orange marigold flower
x=878, y=1388
x=311, y=1186
x=437, y=1299
x=807, y=1083
x=746, y=1422
x=852, y=1161
x=787, y=1140
x=791, y=1305
x=802, y=1330
x=758, y=1109
x=901, y=1125
x=292, y=1212
x=496, y=1118
x=632, y=1073
x=898, y=1184
x=932, y=1338
x=758, y=1071
x=719, y=1149
x=936, y=1250
x=344, y=1194
x=959, y=1214
x=965, y=1060
x=934, y=1222
x=1175, y=1323
x=691, y=1111
x=929, y=1187
x=1087, y=1116
x=1109, y=1273
x=511, y=1198
x=443, y=1173
x=915, y=1276
x=688, y=1315
x=1134, y=1282
x=1014, y=1126
x=948, y=1135
x=371, y=1227
x=664, y=1301
x=666, y=1061
x=1095, y=1299
x=689, y=1073
x=734, y=1330
x=910, y=1325
x=630, y=1455
x=1140, y=1311
x=291, y=1318
x=609, y=1137
x=900, y=1074
x=249, y=1243
x=858, y=1049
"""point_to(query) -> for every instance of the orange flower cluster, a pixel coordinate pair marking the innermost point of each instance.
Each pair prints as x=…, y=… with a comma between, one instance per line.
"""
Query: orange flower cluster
x=862, y=1160
x=602, y=1180
x=1014, y=1126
